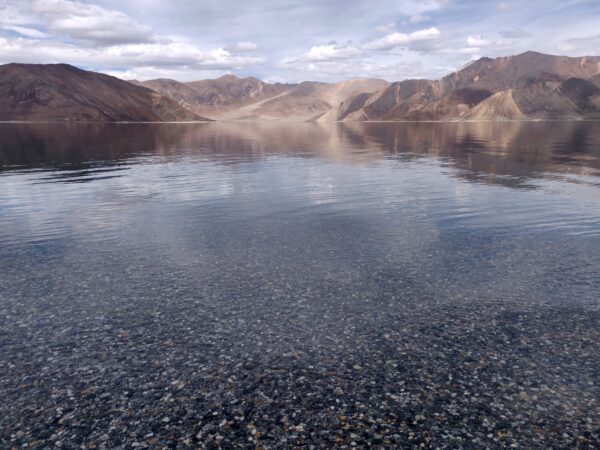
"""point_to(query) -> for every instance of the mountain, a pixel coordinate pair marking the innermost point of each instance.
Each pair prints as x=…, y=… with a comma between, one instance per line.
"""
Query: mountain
x=60, y=92
x=503, y=73
x=219, y=98
x=527, y=86
x=312, y=101
x=230, y=97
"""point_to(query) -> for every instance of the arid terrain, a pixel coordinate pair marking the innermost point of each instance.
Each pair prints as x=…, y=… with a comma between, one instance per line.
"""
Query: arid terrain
x=526, y=86
x=60, y=92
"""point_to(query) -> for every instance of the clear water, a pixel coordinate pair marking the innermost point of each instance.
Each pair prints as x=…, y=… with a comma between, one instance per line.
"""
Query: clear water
x=246, y=241
x=517, y=205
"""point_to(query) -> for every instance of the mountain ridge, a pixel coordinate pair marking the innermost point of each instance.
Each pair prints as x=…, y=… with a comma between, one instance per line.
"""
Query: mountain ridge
x=526, y=86
x=61, y=92
x=533, y=87
x=232, y=98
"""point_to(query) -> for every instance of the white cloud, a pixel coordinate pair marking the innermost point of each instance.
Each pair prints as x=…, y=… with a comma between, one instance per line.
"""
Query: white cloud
x=157, y=55
x=324, y=53
x=394, y=40
x=90, y=22
x=476, y=40
x=330, y=52
x=349, y=60
x=175, y=54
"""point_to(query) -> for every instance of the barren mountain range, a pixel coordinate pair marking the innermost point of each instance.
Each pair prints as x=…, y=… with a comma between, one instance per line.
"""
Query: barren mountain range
x=526, y=86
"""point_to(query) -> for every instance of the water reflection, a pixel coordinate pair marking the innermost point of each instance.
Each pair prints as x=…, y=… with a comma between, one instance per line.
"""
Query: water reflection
x=507, y=177
x=511, y=154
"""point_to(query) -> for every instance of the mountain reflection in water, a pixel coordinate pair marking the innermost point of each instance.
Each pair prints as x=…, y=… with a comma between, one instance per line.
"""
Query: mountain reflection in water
x=512, y=154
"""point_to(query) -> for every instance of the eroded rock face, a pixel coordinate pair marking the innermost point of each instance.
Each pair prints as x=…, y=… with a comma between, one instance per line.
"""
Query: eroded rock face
x=59, y=92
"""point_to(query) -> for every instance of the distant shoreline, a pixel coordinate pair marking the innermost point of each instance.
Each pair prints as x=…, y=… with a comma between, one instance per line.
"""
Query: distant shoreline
x=85, y=122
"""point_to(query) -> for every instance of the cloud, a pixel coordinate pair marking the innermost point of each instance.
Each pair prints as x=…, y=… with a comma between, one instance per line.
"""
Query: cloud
x=90, y=22
x=412, y=40
x=334, y=70
x=94, y=37
x=334, y=52
x=158, y=55
x=476, y=40
x=318, y=57
x=389, y=27
x=11, y=14
x=365, y=60
x=245, y=46
x=331, y=52
x=174, y=54
x=418, y=7
x=419, y=18
x=582, y=45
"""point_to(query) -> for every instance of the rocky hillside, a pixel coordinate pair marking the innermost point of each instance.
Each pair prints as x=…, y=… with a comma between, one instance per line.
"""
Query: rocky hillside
x=60, y=92
x=526, y=86
x=229, y=97
x=220, y=98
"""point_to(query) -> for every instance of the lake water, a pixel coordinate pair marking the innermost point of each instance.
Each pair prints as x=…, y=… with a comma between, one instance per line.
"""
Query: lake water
x=286, y=285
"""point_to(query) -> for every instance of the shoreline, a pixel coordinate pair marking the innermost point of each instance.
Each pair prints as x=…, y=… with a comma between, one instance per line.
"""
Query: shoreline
x=85, y=122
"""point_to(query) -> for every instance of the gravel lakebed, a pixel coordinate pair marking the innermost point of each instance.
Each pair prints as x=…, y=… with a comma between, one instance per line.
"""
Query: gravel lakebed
x=288, y=366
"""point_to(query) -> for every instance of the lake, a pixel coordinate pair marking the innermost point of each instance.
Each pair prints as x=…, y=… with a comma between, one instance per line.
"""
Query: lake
x=300, y=285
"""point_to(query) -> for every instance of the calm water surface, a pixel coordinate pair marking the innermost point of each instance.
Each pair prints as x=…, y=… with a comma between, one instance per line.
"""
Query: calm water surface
x=137, y=256
x=463, y=205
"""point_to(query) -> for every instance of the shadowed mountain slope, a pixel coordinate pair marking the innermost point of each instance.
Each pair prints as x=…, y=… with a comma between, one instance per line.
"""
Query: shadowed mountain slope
x=59, y=92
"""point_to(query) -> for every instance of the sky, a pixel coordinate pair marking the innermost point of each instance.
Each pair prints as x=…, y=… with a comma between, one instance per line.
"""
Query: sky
x=290, y=40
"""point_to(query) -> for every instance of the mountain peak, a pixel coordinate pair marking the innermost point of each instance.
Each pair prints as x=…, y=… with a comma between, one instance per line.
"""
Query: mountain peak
x=533, y=53
x=228, y=77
